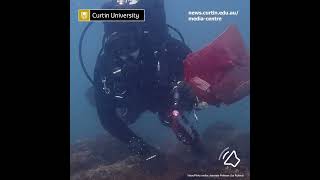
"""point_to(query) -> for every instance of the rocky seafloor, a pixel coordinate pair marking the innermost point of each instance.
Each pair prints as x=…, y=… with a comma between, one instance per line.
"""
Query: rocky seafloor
x=106, y=158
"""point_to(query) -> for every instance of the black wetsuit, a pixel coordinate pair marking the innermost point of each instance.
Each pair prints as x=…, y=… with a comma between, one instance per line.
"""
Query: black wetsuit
x=143, y=84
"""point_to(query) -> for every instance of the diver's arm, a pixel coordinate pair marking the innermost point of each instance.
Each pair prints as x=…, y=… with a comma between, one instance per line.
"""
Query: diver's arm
x=110, y=121
x=106, y=109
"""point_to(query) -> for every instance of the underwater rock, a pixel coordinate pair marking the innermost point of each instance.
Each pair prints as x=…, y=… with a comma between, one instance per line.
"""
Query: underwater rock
x=83, y=160
x=105, y=158
x=131, y=168
x=110, y=148
x=120, y=170
x=104, y=149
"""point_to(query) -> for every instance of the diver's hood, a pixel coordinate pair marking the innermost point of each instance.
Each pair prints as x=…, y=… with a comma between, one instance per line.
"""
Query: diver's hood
x=122, y=44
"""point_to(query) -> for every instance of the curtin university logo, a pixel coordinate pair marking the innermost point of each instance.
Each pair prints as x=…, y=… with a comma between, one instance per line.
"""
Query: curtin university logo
x=124, y=15
x=83, y=15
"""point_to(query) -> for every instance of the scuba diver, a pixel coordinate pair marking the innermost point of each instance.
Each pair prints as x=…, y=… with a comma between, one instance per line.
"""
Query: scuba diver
x=140, y=68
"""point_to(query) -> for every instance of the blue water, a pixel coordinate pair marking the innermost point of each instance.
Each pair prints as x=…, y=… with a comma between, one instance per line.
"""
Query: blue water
x=84, y=122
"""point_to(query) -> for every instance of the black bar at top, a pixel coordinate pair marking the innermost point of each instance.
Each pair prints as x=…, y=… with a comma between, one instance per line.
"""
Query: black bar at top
x=117, y=15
